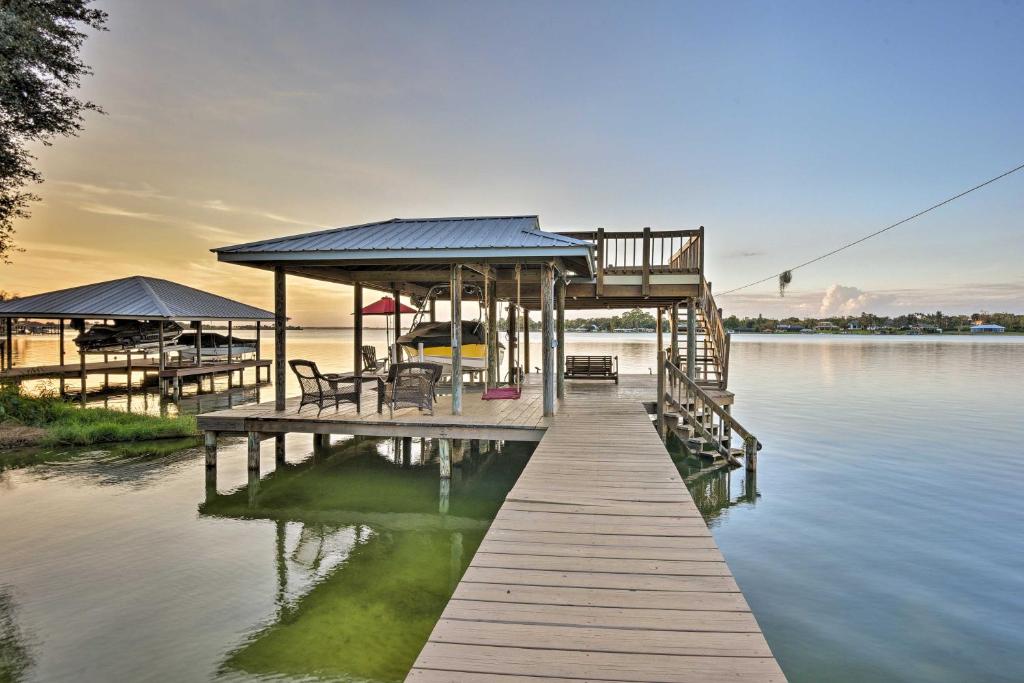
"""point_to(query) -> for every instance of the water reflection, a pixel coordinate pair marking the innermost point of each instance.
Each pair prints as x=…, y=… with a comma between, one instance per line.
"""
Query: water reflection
x=714, y=487
x=16, y=646
x=368, y=546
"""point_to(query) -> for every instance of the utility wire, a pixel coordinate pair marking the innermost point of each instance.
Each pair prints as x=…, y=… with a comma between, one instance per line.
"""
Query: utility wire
x=878, y=232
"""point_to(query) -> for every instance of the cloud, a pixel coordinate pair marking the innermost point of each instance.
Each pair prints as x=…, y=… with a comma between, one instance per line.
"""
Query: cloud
x=844, y=300
x=107, y=210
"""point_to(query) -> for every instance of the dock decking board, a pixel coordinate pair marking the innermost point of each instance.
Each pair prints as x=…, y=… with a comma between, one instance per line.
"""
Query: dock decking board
x=598, y=567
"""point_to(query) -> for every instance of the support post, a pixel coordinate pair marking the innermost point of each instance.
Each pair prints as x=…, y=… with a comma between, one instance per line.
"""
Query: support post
x=259, y=352
x=10, y=343
x=161, y=360
x=231, y=354
x=199, y=344
x=254, y=451
x=600, y=262
x=673, y=326
x=493, y=372
x=750, y=453
x=61, y=379
x=456, y=298
x=433, y=310
x=128, y=371
x=547, y=296
x=445, y=457
x=396, y=353
x=645, y=281
x=210, y=441
x=526, y=341
x=560, y=338
x=513, y=343
x=357, y=329
x=81, y=373
x=280, y=327
x=660, y=369
x=691, y=338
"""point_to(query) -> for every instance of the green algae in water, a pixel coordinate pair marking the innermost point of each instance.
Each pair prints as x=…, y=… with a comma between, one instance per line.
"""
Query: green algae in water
x=370, y=615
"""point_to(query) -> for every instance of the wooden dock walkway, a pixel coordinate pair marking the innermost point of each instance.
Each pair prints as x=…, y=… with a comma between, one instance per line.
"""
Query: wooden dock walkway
x=598, y=567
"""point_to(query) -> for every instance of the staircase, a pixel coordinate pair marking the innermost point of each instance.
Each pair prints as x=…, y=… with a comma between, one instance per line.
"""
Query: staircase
x=711, y=356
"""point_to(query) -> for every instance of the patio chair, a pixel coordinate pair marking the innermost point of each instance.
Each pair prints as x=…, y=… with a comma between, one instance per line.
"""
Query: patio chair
x=322, y=389
x=409, y=385
x=370, y=362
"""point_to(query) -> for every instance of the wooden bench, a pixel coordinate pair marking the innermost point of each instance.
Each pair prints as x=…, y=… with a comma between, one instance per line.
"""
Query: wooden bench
x=592, y=367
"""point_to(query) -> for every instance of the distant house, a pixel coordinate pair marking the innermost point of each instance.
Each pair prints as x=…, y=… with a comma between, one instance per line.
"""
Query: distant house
x=987, y=328
x=854, y=325
x=783, y=327
x=826, y=325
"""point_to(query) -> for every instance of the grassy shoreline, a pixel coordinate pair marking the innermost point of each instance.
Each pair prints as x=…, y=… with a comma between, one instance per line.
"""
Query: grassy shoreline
x=49, y=421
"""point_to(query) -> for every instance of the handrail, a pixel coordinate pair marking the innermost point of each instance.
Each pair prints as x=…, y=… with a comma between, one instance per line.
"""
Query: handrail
x=711, y=421
x=715, y=329
x=666, y=250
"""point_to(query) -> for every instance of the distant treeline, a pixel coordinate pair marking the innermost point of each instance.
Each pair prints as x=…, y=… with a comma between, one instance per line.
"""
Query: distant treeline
x=640, y=319
x=1013, y=322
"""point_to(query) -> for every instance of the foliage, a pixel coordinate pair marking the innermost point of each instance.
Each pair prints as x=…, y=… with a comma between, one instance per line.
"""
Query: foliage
x=785, y=279
x=871, y=322
x=40, y=68
x=67, y=424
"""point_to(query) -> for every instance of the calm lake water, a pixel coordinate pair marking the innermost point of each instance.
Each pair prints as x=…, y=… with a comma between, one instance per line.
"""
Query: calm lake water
x=881, y=541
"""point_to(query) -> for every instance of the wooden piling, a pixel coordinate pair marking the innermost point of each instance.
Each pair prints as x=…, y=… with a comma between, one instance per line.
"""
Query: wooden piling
x=560, y=338
x=548, y=338
x=456, y=299
x=280, y=328
x=254, y=451
x=210, y=441
x=357, y=329
x=445, y=457
x=526, y=341
x=660, y=371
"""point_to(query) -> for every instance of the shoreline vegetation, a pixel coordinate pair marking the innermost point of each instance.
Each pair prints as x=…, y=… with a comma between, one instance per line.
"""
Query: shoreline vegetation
x=47, y=420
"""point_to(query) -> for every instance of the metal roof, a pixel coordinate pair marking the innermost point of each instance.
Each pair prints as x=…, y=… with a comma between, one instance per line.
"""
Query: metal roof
x=135, y=298
x=417, y=235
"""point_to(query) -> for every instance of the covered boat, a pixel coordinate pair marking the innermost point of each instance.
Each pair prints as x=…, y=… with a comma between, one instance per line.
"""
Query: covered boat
x=215, y=346
x=126, y=335
x=435, y=338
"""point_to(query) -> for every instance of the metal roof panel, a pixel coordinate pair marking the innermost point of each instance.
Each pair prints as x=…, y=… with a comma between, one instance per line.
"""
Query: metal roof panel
x=144, y=298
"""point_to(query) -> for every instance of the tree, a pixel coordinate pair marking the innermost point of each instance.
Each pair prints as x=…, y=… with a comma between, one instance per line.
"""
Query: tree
x=40, y=70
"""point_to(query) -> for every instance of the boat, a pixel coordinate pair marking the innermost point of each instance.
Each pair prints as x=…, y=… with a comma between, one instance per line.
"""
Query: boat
x=431, y=342
x=127, y=335
x=214, y=346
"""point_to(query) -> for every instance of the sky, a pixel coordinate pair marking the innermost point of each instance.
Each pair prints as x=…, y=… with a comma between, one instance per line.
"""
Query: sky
x=785, y=128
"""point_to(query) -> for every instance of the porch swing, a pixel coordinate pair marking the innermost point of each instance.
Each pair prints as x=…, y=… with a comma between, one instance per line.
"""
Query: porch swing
x=514, y=389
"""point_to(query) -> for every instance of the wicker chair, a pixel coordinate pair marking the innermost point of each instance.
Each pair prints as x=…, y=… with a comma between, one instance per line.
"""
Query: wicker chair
x=370, y=362
x=322, y=390
x=409, y=385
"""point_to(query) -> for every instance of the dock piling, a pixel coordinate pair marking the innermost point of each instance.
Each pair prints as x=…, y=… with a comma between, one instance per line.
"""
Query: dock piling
x=210, y=441
x=445, y=457
x=254, y=451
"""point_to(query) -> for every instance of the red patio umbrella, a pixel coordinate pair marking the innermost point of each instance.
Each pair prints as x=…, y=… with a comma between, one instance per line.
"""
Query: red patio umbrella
x=386, y=306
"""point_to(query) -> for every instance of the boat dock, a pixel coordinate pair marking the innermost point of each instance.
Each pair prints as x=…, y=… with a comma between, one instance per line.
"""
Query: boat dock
x=598, y=567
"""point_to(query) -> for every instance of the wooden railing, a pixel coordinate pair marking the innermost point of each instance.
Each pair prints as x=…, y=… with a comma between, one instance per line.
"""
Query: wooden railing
x=710, y=421
x=645, y=252
x=714, y=328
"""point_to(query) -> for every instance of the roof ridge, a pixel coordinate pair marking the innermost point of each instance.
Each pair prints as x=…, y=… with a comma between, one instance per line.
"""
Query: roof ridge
x=144, y=281
x=463, y=218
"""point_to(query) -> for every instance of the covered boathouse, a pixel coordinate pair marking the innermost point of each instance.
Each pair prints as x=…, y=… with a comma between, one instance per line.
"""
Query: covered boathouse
x=140, y=299
x=598, y=565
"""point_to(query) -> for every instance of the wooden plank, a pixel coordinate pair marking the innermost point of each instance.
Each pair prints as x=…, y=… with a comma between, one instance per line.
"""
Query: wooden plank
x=599, y=665
x=601, y=597
x=716, y=620
x=601, y=639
